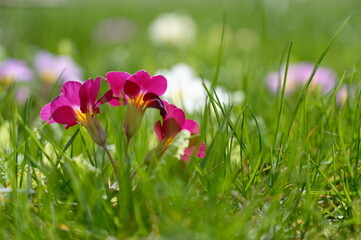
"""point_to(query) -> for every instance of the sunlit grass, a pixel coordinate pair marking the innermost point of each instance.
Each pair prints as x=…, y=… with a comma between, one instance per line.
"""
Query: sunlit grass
x=277, y=166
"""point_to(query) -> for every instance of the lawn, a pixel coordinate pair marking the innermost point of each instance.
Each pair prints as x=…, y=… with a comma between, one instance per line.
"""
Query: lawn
x=201, y=119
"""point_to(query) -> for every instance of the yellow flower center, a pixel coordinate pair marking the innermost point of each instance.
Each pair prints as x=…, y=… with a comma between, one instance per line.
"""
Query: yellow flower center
x=48, y=76
x=8, y=78
x=138, y=102
x=80, y=116
x=90, y=122
x=168, y=141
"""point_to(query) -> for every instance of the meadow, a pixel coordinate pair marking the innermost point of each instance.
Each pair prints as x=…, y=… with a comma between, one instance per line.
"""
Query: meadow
x=274, y=86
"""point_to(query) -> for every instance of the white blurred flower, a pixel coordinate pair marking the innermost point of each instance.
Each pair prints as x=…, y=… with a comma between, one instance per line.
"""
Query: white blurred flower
x=185, y=89
x=179, y=144
x=172, y=29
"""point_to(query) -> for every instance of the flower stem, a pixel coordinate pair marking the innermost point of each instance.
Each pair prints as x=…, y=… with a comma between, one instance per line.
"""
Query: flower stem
x=126, y=152
x=146, y=161
x=112, y=162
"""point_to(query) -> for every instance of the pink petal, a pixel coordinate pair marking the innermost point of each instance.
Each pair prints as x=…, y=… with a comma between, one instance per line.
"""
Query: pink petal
x=165, y=103
x=170, y=127
x=175, y=113
x=169, y=107
x=70, y=90
x=188, y=152
x=88, y=94
x=107, y=97
x=45, y=114
x=131, y=89
x=156, y=84
x=152, y=100
x=59, y=102
x=201, y=151
x=191, y=126
x=70, y=125
x=141, y=77
x=116, y=81
x=185, y=158
x=114, y=102
x=151, y=96
x=158, y=130
x=65, y=115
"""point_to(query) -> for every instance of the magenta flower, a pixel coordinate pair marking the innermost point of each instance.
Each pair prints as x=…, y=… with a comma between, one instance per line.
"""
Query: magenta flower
x=173, y=123
x=140, y=91
x=15, y=70
x=51, y=68
x=298, y=74
x=78, y=104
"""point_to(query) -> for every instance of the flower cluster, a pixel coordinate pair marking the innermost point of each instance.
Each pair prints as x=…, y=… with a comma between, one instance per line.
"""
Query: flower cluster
x=174, y=122
x=172, y=29
x=14, y=70
x=141, y=91
x=48, y=68
x=298, y=74
x=51, y=68
x=186, y=89
x=78, y=104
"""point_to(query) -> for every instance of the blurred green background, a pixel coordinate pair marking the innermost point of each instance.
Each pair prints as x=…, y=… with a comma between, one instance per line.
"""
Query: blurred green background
x=255, y=197
x=68, y=27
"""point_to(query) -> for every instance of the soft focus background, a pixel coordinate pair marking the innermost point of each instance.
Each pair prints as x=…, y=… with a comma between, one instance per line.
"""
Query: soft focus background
x=262, y=179
x=109, y=35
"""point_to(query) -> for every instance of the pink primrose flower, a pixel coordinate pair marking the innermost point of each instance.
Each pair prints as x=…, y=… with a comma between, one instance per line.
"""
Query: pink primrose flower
x=298, y=74
x=52, y=67
x=15, y=70
x=78, y=104
x=140, y=91
x=174, y=122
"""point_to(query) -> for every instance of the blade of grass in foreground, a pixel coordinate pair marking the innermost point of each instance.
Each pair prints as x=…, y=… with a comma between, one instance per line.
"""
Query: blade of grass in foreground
x=68, y=144
x=220, y=53
x=204, y=161
x=282, y=93
x=258, y=128
x=26, y=151
x=319, y=60
x=34, y=138
x=331, y=184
